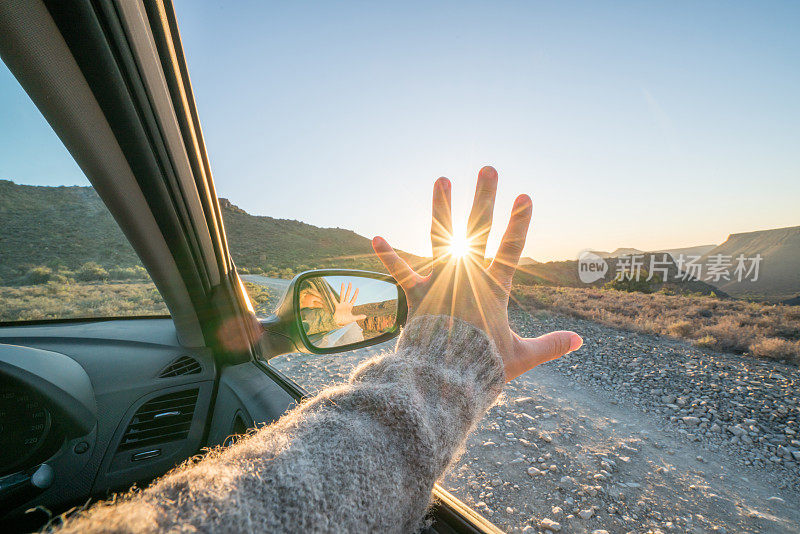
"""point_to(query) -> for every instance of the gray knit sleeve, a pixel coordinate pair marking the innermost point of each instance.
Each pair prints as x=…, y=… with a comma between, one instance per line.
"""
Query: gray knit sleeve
x=357, y=457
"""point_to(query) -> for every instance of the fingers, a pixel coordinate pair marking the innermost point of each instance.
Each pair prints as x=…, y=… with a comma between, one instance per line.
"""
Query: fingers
x=396, y=266
x=507, y=257
x=442, y=219
x=360, y=317
x=346, y=296
x=480, y=218
x=549, y=347
x=355, y=296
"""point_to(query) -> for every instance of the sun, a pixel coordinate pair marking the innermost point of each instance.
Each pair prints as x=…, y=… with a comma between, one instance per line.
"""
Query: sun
x=459, y=246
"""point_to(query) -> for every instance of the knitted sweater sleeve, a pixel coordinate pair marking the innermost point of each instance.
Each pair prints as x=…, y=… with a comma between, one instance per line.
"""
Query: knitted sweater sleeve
x=362, y=456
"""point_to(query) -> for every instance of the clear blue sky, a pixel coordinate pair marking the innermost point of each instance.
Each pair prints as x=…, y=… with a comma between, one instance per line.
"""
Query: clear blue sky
x=629, y=123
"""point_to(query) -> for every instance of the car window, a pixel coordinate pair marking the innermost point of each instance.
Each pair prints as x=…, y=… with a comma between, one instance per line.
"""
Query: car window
x=62, y=255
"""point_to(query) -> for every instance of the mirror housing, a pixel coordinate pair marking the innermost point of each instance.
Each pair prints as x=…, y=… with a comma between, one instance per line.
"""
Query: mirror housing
x=289, y=329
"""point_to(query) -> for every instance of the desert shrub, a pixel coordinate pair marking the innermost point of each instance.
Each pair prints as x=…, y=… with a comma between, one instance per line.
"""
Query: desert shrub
x=732, y=334
x=137, y=272
x=682, y=329
x=708, y=342
x=727, y=325
x=776, y=348
x=38, y=275
x=91, y=272
x=55, y=300
x=638, y=284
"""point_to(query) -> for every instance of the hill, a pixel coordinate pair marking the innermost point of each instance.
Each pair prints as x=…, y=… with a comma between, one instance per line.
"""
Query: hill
x=260, y=242
x=624, y=252
x=698, y=250
x=66, y=227
x=57, y=227
x=674, y=252
x=779, y=269
x=565, y=273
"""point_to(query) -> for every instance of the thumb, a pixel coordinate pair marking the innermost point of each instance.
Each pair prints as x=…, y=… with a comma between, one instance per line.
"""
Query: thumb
x=531, y=352
x=396, y=266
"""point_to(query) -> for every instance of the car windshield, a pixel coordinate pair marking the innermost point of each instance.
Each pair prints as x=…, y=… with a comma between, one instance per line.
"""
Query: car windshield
x=62, y=255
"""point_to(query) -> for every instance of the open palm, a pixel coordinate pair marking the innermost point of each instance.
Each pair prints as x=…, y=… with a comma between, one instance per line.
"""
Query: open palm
x=463, y=287
x=343, y=307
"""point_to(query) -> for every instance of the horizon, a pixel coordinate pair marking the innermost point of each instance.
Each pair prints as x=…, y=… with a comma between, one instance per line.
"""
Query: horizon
x=591, y=249
x=653, y=127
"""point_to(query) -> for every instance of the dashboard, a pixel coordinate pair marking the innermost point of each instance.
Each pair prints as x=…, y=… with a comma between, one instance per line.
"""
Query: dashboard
x=91, y=408
x=26, y=426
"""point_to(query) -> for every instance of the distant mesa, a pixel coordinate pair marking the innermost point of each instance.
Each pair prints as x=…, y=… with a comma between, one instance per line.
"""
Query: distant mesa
x=699, y=250
x=674, y=252
x=779, y=269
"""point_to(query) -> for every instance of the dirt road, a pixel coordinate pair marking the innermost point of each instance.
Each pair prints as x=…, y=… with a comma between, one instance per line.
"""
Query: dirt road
x=633, y=433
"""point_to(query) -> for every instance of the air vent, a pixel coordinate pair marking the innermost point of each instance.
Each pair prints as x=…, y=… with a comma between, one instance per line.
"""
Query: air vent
x=165, y=418
x=185, y=365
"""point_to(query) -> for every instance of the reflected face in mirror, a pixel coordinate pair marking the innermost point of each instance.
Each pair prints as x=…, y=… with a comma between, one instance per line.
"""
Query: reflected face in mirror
x=336, y=311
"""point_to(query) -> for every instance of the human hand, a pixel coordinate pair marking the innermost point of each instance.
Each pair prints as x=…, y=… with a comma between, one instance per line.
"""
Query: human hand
x=465, y=288
x=310, y=298
x=343, y=308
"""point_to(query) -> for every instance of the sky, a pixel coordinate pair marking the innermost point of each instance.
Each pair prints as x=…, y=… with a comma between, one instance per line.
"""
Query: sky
x=630, y=124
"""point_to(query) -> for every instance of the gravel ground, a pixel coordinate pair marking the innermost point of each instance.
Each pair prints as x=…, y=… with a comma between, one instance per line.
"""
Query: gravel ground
x=633, y=433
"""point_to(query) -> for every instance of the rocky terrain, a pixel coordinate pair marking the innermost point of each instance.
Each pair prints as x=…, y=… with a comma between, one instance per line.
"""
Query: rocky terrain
x=633, y=433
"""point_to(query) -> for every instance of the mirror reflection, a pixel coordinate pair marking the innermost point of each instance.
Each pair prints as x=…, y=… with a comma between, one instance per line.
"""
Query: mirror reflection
x=343, y=310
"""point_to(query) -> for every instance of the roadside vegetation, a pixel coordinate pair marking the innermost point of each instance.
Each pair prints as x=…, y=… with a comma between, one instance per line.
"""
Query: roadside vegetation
x=760, y=330
x=728, y=325
x=91, y=290
x=73, y=299
x=264, y=300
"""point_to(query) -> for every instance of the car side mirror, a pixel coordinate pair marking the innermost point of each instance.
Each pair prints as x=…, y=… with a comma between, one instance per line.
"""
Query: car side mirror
x=335, y=310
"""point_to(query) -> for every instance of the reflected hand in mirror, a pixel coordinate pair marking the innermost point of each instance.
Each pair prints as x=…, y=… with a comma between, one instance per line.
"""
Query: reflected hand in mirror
x=362, y=309
x=343, y=307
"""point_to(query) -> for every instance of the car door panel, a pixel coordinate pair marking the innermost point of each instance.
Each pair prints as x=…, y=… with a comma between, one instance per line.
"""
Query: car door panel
x=129, y=363
x=247, y=398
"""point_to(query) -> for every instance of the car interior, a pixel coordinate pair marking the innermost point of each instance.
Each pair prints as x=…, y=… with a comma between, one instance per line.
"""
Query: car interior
x=92, y=407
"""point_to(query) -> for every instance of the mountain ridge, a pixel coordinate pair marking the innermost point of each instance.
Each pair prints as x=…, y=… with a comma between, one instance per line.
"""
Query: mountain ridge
x=779, y=267
x=79, y=229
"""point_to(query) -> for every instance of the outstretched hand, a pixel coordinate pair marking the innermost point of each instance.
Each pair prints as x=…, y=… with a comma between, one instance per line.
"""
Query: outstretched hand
x=463, y=287
x=343, y=307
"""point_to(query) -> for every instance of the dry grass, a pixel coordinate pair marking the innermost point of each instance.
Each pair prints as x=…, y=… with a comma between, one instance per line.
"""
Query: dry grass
x=56, y=300
x=264, y=300
x=765, y=331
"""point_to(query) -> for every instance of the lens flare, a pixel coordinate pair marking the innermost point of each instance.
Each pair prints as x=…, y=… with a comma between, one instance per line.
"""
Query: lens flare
x=459, y=246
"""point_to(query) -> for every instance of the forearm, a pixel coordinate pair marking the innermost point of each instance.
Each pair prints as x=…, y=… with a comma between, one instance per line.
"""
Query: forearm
x=364, y=455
